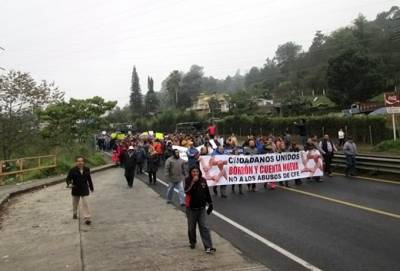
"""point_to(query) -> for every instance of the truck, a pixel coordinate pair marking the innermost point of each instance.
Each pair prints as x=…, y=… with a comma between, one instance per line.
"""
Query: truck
x=365, y=107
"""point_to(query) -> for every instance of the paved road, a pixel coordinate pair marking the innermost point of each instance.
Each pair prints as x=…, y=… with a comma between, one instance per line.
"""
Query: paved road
x=340, y=224
x=131, y=230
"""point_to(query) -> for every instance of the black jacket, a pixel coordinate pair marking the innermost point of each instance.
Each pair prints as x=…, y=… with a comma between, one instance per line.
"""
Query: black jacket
x=198, y=192
x=129, y=162
x=81, y=182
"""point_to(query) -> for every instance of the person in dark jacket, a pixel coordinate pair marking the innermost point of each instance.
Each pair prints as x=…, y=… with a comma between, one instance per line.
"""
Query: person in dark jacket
x=140, y=158
x=129, y=162
x=329, y=151
x=197, y=197
x=153, y=162
x=80, y=180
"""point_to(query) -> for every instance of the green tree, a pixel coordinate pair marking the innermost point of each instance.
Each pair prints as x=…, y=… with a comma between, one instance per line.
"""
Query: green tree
x=353, y=76
x=173, y=87
x=191, y=86
x=77, y=119
x=136, y=98
x=151, y=100
x=20, y=97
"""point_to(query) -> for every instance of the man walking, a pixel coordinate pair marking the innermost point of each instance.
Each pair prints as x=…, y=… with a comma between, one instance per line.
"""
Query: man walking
x=193, y=155
x=175, y=173
x=80, y=180
x=350, y=151
x=329, y=149
x=129, y=162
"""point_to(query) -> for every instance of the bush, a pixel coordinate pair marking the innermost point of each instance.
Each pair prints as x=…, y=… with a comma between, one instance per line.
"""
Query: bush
x=388, y=146
x=359, y=127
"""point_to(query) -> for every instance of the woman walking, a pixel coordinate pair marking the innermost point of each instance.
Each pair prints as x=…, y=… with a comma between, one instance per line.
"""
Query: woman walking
x=197, y=197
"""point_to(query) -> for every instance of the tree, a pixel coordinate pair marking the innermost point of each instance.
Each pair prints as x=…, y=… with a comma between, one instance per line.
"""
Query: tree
x=151, y=101
x=191, y=86
x=20, y=97
x=352, y=77
x=173, y=86
x=136, y=98
x=287, y=53
x=77, y=119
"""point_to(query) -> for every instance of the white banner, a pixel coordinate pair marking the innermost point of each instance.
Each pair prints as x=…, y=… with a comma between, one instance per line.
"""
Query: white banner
x=274, y=167
x=245, y=169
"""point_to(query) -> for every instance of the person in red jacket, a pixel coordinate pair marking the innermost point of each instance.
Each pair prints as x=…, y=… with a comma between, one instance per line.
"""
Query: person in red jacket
x=212, y=130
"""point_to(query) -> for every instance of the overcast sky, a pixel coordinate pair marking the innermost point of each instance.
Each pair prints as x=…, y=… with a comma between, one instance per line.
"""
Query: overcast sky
x=88, y=47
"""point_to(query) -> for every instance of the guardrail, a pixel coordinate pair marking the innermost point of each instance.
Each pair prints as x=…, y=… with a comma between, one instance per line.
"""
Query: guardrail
x=21, y=166
x=373, y=163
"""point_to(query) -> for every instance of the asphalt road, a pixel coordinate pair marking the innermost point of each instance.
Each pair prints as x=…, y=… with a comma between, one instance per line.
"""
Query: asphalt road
x=340, y=224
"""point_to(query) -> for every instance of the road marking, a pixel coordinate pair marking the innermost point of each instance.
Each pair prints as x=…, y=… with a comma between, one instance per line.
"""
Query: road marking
x=350, y=204
x=361, y=178
x=261, y=239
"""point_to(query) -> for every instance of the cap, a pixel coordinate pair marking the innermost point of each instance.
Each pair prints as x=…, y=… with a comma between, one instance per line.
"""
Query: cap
x=130, y=148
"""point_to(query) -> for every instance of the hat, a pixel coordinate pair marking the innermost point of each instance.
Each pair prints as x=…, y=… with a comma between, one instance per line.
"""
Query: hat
x=130, y=148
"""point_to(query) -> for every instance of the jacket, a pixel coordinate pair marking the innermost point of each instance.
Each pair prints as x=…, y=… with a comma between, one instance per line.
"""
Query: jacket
x=81, y=182
x=198, y=193
x=192, y=154
x=174, y=169
x=129, y=161
x=350, y=148
x=153, y=161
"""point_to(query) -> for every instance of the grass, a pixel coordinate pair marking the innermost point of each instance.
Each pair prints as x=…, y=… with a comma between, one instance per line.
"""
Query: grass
x=391, y=146
x=65, y=160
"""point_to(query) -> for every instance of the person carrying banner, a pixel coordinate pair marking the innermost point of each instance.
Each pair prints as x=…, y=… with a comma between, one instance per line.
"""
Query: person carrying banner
x=197, y=197
x=235, y=151
x=222, y=188
x=251, y=149
x=174, y=173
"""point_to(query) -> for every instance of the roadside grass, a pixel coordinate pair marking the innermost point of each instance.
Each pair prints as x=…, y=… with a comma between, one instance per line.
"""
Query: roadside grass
x=388, y=146
x=65, y=160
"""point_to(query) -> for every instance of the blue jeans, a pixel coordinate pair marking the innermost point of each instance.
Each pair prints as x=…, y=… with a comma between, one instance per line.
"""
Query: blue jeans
x=350, y=164
x=181, y=193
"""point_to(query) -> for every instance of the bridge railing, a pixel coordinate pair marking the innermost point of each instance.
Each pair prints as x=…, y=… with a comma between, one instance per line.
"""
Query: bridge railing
x=19, y=167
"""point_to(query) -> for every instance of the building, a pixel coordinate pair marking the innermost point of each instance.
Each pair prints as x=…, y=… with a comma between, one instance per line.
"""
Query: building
x=204, y=101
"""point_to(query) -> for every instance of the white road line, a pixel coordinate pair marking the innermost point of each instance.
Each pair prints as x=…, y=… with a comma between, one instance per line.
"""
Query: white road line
x=266, y=242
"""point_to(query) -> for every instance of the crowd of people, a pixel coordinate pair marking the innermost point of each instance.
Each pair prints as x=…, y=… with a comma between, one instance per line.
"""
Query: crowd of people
x=136, y=153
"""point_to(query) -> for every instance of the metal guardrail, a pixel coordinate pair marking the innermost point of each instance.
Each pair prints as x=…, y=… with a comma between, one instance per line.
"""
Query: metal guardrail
x=373, y=163
x=21, y=166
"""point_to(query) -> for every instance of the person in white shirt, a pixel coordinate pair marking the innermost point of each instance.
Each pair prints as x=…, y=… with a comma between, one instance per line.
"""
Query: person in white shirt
x=341, y=136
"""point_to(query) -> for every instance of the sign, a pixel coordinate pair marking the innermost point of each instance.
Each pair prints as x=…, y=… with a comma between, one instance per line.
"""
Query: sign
x=246, y=169
x=393, y=110
x=274, y=167
x=392, y=99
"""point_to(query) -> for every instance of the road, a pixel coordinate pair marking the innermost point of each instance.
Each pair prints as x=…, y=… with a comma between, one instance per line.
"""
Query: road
x=340, y=224
x=132, y=229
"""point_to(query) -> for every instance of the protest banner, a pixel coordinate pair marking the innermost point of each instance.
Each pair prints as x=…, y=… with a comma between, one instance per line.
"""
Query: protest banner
x=272, y=167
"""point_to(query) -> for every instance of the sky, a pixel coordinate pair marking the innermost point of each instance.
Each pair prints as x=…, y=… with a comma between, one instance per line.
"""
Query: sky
x=88, y=47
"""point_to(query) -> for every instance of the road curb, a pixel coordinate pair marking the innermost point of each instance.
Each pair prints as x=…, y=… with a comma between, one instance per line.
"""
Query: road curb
x=15, y=190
